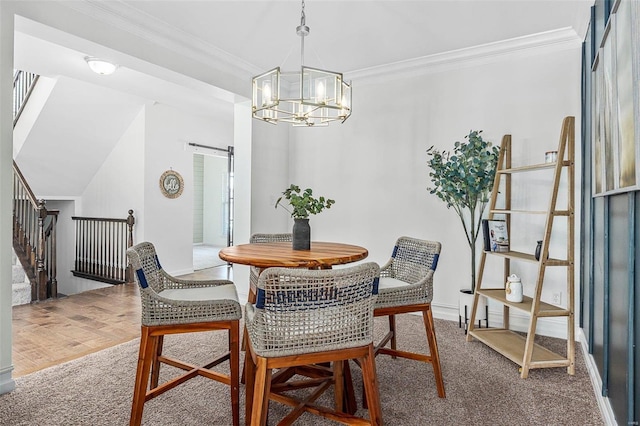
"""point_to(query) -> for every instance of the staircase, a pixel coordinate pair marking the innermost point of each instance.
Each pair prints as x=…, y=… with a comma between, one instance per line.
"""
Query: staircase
x=34, y=227
x=21, y=286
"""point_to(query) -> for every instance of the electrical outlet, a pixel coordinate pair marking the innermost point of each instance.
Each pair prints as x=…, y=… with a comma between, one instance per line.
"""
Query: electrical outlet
x=557, y=298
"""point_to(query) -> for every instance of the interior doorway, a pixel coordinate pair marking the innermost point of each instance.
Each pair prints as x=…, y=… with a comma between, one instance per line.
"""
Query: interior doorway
x=213, y=205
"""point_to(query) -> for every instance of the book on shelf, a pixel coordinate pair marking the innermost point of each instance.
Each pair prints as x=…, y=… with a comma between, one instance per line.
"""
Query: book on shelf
x=495, y=235
x=486, y=244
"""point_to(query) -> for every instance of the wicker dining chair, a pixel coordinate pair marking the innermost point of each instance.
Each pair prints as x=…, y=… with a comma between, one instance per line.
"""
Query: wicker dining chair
x=254, y=272
x=170, y=306
x=306, y=319
x=406, y=285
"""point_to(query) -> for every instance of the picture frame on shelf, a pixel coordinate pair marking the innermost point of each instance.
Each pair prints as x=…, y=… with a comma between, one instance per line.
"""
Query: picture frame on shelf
x=496, y=235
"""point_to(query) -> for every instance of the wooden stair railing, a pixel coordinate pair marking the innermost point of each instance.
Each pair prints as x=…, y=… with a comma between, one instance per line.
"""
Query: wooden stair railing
x=101, y=248
x=34, y=238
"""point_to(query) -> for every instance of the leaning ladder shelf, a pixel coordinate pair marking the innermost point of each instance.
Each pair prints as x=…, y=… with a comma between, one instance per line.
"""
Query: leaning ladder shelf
x=520, y=348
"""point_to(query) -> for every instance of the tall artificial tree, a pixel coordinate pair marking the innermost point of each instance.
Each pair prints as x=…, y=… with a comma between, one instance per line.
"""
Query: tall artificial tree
x=463, y=179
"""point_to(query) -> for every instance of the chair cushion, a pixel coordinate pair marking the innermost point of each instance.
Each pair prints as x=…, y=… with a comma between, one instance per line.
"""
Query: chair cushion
x=387, y=283
x=220, y=292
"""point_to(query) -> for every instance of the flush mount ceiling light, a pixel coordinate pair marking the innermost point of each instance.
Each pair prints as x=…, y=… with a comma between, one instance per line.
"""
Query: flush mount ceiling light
x=309, y=97
x=100, y=66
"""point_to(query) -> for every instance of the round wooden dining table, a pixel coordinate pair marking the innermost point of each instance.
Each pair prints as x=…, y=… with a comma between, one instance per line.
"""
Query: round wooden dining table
x=322, y=255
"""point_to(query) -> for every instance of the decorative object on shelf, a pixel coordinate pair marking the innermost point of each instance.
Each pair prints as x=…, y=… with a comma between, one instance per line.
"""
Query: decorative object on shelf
x=302, y=205
x=171, y=184
x=309, y=97
x=513, y=289
x=463, y=179
x=538, y=249
x=550, y=156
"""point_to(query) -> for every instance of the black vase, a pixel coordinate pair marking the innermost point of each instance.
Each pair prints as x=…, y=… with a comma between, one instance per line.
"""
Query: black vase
x=301, y=234
x=538, y=249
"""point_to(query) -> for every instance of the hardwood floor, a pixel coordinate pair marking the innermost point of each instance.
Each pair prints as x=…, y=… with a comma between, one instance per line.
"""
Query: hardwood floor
x=56, y=331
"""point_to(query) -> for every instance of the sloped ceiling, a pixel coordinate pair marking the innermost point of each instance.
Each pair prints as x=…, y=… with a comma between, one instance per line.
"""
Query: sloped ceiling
x=74, y=133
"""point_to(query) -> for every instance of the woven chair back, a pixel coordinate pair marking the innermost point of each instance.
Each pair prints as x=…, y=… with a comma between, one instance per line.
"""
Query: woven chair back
x=300, y=311
x=413, y=259
x=146, y=266
x=271, y=238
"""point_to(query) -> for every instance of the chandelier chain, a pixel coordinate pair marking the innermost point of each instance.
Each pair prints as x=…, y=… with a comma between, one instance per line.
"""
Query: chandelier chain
x=302, y=30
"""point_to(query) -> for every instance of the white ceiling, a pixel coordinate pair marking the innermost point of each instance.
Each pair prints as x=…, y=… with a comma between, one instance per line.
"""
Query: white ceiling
x=243, y=38
x=354, y=35
x=346, y=36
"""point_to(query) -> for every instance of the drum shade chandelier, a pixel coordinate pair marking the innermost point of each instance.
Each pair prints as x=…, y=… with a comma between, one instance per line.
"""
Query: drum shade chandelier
x=310, y=97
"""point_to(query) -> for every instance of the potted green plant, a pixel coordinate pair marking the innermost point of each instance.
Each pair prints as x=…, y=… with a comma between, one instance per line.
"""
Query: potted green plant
x=463, y=179
x=302, y=205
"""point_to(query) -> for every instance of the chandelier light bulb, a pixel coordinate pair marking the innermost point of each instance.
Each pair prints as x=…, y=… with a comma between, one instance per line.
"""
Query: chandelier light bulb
x=320, y=92
x=266, y=93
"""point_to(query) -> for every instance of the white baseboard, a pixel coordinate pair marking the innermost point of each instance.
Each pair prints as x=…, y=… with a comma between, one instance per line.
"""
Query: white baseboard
x=7, y=384
x=603, y=402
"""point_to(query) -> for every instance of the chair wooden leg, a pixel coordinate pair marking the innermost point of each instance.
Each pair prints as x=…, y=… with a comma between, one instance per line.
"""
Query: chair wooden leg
x=338, y=385
x=262, y=388
x=433, y=349
x=234, y=367
x=155, y=365
x=392, y=329
x=350, y=404
x=145, y=358
x=245, y=339
x=250, y=374
x=371, y=387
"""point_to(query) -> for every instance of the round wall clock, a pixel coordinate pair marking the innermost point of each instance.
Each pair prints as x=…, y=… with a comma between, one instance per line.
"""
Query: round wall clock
x=171, y=184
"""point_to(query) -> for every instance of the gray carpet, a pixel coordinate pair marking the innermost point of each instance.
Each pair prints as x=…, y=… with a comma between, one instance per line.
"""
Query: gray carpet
x=483, y=388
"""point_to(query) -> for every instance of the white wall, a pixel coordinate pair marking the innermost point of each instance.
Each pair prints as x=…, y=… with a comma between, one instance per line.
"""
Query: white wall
x=6, y=200
x=169, y=222
x=118, y=185
x=129, y=179
x=374, y=165
x=243, y=188
x=270, y=174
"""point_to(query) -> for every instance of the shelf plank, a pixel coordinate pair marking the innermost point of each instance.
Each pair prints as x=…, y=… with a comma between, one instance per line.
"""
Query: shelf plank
x=532, y=167
x=511, y=345
x=528, y=257
x=545, y=309
x=554, y=213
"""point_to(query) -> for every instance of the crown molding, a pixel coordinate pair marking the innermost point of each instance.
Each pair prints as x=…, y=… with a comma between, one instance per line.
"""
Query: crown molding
x=126, y=18
x=555, y=40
